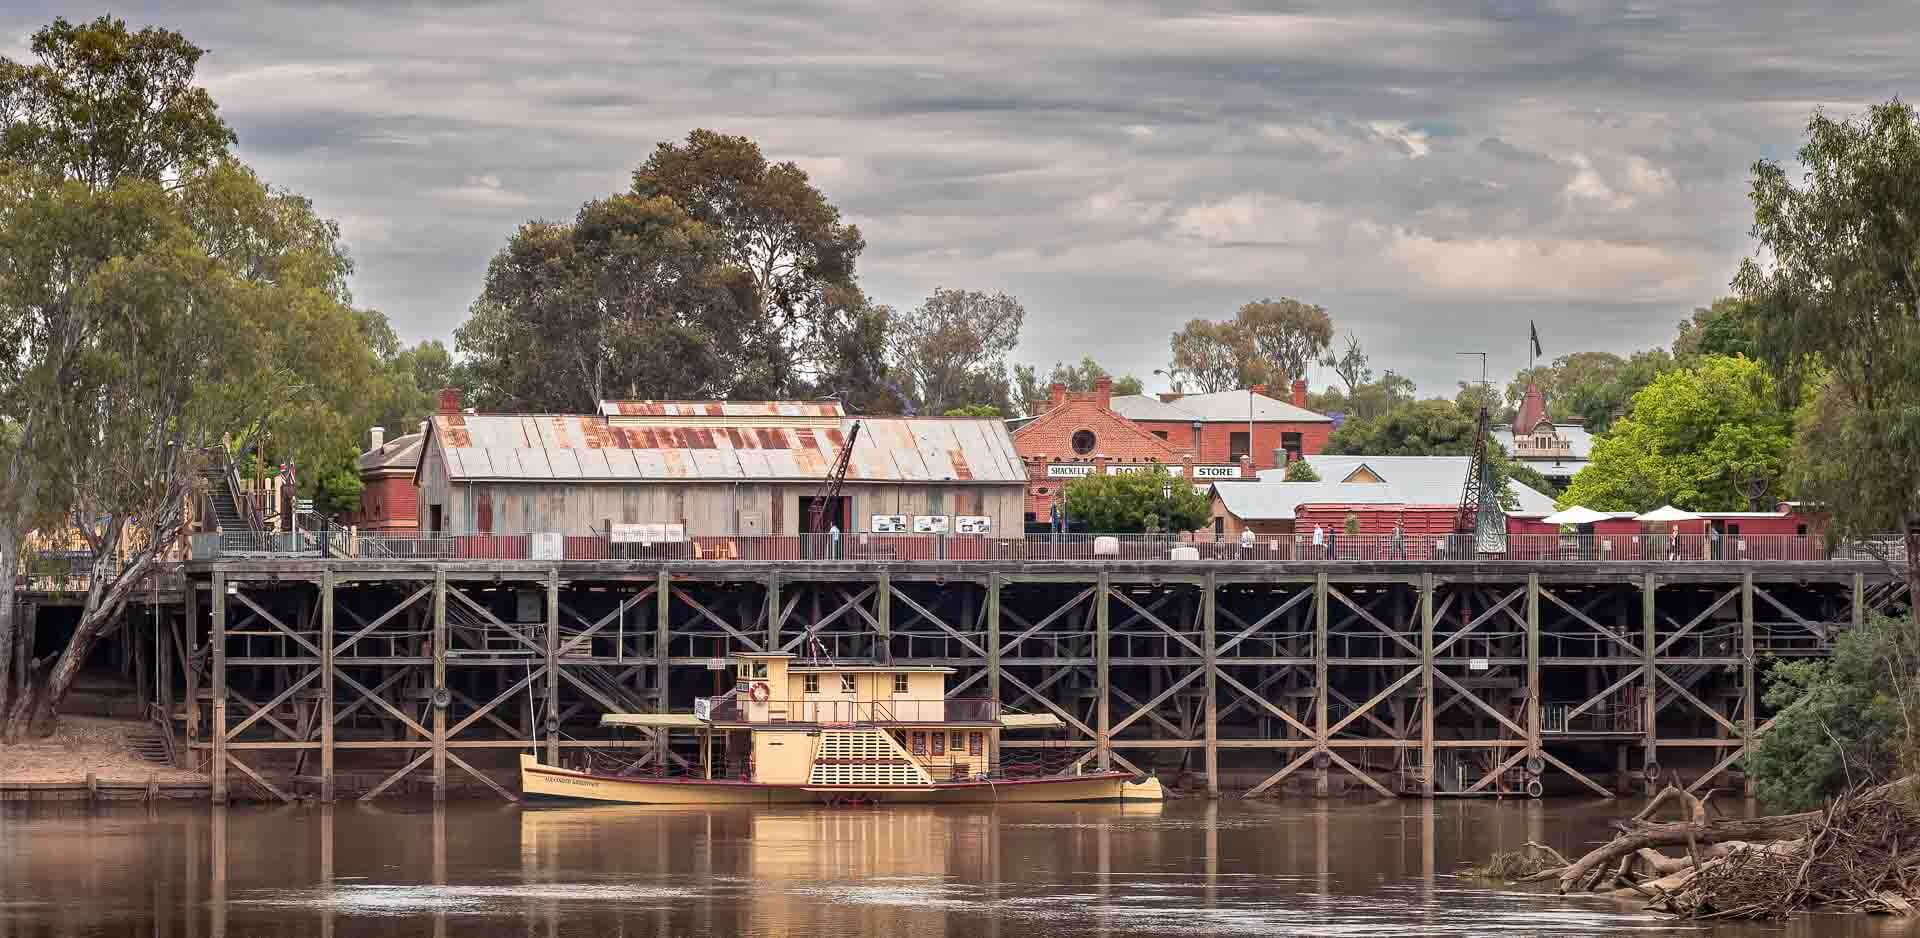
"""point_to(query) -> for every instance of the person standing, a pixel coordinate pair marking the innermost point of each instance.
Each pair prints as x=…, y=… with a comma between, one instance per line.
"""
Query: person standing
x=1320, y=541
x=1246, y=543
x=1399, y=542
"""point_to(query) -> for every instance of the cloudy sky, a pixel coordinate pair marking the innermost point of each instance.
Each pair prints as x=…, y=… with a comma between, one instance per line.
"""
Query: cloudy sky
x=1435, y=173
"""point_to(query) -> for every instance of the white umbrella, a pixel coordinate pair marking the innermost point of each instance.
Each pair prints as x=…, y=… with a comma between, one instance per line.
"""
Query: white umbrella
x=1667, y=513
x=1578, y=514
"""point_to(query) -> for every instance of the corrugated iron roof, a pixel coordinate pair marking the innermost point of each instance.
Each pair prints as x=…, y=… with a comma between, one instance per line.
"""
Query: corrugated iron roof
x=535, y=448
x=710, y=409
x=1415, y=480
x=1218, y=407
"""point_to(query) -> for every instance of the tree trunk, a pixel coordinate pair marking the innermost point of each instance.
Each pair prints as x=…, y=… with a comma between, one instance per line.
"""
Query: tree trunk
x=93, y=621
x=9, y=589
x=1676, y=833
x=1913, y=572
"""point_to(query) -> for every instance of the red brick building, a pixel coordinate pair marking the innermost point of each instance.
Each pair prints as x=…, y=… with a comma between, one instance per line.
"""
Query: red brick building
x=389, y=502
x=1081, y=434
x=1232, y=424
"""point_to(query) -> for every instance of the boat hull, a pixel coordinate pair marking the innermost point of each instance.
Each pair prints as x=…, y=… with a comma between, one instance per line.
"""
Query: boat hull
x=547, y=784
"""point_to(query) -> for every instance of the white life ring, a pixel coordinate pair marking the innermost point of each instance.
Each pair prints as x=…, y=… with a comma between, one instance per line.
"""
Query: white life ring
x=758, y=693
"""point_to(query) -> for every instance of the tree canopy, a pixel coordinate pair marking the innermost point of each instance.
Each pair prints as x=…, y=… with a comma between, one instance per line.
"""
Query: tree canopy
x=718, y=274
x=1836, y=297
x=951, y=350
x=1850, y=719
x=1698, y=437
x=1269, y=341
x=157, y=296
x=1136, y=502
x=1431, y=427
x=1031, y=387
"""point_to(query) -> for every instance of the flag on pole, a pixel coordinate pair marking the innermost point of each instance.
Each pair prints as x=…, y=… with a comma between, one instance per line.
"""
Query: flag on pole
x=1533, y=332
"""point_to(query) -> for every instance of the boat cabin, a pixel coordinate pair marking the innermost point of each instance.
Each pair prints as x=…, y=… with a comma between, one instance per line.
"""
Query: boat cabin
x=794, y=721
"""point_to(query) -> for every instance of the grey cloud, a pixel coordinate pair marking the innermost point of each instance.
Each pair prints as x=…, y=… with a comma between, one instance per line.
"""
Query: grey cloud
x=1435, y=172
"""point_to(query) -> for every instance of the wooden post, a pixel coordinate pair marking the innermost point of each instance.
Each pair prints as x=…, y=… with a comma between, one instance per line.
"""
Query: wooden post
x=1103, y=665
x=1426, y=685
x=1211, y=663
x=662, y=657
x=326, y=685
x=440, y=683
x=773, y=612
x=190, y=636
x=1533, y=664
x=1320, y=654
x=1650, y=742
x=553, y=666
x=1859, y=598
x=993, y=638
x=1748, y=692
x=163, y=691
x=883, y=615
x=219, y=668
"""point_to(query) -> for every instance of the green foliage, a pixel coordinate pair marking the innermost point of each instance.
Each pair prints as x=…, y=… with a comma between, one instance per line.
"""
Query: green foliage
x=1835, y=305
x=335, y=487
x=1030, y=387
x=1725, y=328
x=1591, y=387
x=951, y=350
x=1365, y=401
x=1696, y=438
x=104, y=104
x=1855, y=719
x=1350, y=364
x=1268, y=342
x=1433, y=427
x=1301, y=471
x=1125, y=503
x=718, y=275
x=973, y=410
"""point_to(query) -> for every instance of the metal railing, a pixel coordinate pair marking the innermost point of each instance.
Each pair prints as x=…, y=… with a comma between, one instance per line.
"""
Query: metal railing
x=736, y=708
x=856, y=547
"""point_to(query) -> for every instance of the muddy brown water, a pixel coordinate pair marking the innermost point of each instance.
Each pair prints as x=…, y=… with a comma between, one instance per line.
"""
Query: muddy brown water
x=1185, y=868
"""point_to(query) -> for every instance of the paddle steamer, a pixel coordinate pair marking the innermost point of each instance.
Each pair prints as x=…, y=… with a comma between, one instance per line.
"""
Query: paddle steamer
x=799, y=731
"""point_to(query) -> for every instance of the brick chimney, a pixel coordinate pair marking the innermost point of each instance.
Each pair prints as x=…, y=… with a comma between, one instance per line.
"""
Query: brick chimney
x=1259, y=389
x=449, y=400
x=1056, y=395
x=378, y=436
x=1103, y=392
x=1300, y=392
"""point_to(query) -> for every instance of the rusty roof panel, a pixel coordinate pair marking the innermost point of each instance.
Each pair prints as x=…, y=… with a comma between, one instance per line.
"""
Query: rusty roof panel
x=889, y=449
x=720, y=408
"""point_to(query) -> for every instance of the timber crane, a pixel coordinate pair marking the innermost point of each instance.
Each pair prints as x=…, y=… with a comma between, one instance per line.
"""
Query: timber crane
x=1480, y=514
x=830, y=490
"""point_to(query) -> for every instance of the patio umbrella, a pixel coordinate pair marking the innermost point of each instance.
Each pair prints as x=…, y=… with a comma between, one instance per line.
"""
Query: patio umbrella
x=1667, y=513
x=1576, y=515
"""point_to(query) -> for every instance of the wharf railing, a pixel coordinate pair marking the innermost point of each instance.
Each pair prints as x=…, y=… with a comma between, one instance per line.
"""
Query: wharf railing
x=737, y=708
x=801, y=548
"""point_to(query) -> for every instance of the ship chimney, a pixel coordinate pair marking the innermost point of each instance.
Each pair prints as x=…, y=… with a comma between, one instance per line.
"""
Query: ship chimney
x=379, y=437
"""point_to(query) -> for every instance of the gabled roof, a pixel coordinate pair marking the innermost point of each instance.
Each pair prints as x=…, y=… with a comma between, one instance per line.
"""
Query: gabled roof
x=1533, y=409
x=1075, y=412
x=1277, y=501
x=1414, y=480
x=400, y=454
x=1218, y=407
x=588, y=448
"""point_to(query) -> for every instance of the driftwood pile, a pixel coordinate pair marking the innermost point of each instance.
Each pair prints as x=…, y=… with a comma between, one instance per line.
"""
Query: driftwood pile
x=1859, y=853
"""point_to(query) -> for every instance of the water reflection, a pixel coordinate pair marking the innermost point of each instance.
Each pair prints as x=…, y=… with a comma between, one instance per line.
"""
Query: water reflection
x=1184, y=868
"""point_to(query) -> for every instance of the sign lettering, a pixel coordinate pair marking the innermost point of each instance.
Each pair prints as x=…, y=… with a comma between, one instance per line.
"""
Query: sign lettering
x=1069, y=470
x=930, y=524
x=889, y=524
x=1216, y=472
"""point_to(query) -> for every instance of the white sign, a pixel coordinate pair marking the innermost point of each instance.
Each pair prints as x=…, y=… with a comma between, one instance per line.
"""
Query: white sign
x=703, y=708
x=1133, y=470
x=1216, y=472
x=889, y=524
x=303, y=504
x=625, y=533
x=1476, y=664
x=973, y=524
x=930, y=524
x=546, y=545
x=1176, y=471
x=1069, y=470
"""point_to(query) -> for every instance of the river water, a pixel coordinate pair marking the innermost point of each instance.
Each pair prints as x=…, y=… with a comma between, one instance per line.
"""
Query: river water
x=1186, y=868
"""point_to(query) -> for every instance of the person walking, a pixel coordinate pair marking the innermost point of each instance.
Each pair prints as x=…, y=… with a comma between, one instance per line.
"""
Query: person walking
x=1246, y=544
x=1399, y=543
x=1320, y=541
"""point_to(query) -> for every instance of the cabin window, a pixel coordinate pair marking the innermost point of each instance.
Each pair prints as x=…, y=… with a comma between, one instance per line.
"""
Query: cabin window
x=1238, y=445
x=956, y=743
x=899, y=683
x=746, y=670
x=812, y=683
x=846, y=683
x=976, y=743
x=1733, y=530
x=760, y=669
x=1290, y=442
x=919, y=744
x=1799, y=530
x=939, y=744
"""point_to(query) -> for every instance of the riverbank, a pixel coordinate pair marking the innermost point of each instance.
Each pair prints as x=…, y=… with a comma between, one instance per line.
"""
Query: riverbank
x=83, y=746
